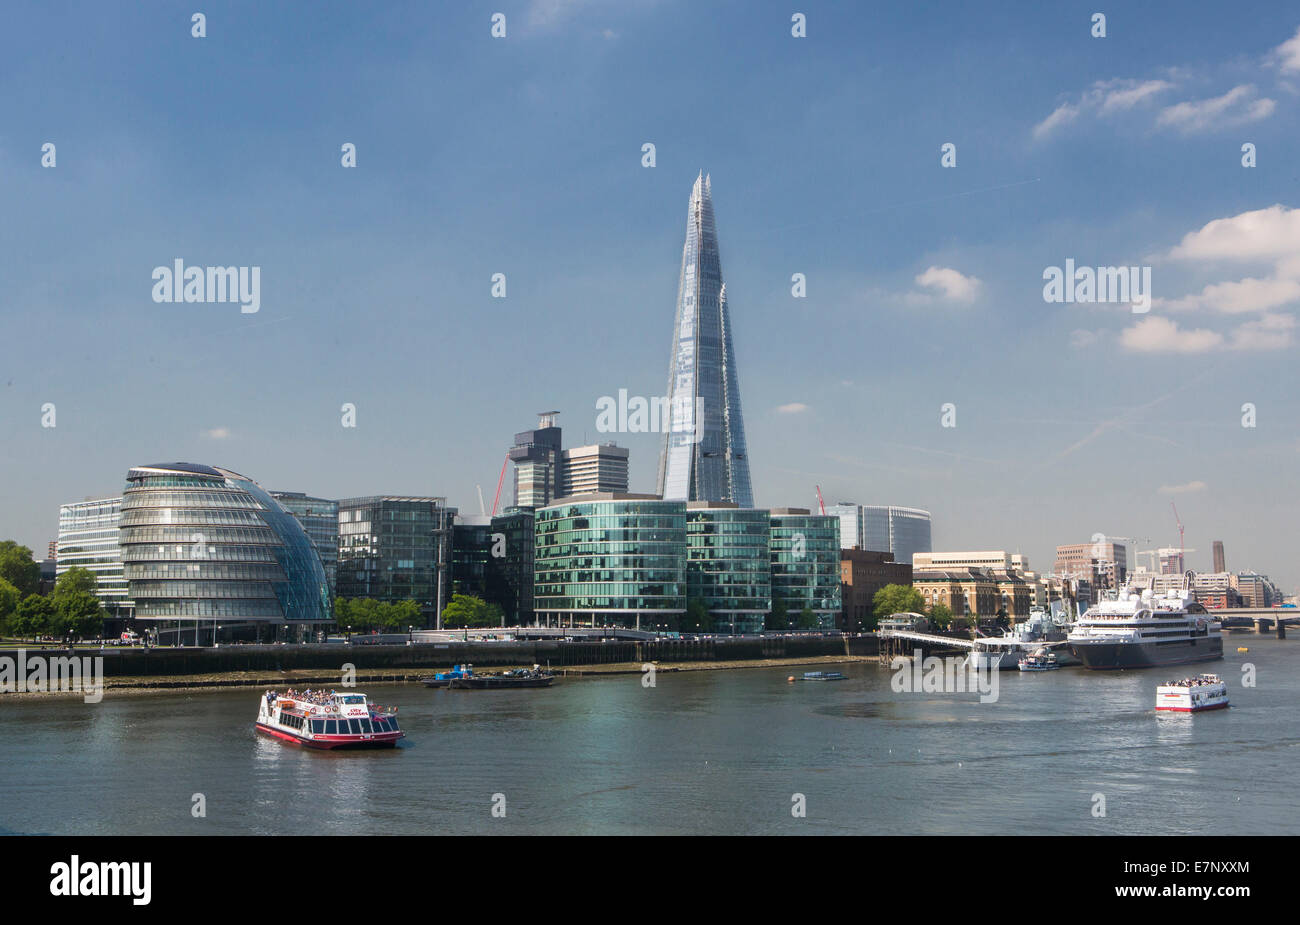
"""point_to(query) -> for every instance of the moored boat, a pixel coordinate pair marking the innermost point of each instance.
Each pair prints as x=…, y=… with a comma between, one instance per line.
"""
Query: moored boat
x=1192, y=695
x=515, y=678
x=443, y=678
x=1039, y=661
x=824, y=676
x=329, y=720
x=1140, y=629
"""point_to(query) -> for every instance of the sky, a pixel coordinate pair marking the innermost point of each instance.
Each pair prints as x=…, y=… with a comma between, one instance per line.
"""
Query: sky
x=523, y=155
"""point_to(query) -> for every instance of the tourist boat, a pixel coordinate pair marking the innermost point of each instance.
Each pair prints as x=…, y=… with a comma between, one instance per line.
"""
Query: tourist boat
x=443, y=678
x=1040, y=661
x=824, y=676
x=1143, y=630
x=1192, y=695
x=517, y=677
x=328, y=720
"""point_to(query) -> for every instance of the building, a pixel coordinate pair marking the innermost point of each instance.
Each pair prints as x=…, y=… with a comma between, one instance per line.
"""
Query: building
x=1219, y=561
x=471, y=556
x=210, y=550
x=320, y=518
x=611, y=559
x=537, y=459
x=805, y=559
x=728, y=564
x=600, y=467
x=511, y=578
x=395, y=548
x=1255, y=589
x=903, y=531
x=89, y=539
x=703, y=459
x=988, y=559
x=968, y=593
x=1103, y=564
x=1171, y=560
x=863, y=572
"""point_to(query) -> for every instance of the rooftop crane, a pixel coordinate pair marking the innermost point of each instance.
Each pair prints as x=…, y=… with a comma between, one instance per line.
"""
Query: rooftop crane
x=820, y=502
x=1178, y=520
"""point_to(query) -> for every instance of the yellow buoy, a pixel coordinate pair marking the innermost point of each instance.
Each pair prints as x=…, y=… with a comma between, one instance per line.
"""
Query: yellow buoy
x=1242, y=649
x=790, y=679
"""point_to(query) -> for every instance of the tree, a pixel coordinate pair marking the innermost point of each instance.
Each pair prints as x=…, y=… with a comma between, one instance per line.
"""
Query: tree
x=697, y=615
x=35, y=616
x=9, y=600
x=74, y=580
x=779, y=617
x=808, y=619
x=466, y=610
x=941, y=615
x=19, y=568
x=80, y=614
x=893, y=599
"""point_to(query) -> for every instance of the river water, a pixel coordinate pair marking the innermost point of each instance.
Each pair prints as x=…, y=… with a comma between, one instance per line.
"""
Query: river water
x=706, y=752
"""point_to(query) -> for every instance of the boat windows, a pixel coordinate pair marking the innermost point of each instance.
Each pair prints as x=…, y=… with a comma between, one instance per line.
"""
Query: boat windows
x=332, y=727
x=354, y=726
x=317, y=726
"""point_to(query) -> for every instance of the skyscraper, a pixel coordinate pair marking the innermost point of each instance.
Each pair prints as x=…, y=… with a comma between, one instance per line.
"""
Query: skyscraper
x=600, y=467
x=536, y=455
x=1219, y=564
x=703, y=459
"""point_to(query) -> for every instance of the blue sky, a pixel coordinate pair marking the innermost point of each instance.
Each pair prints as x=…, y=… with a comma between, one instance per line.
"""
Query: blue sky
x=522, y=155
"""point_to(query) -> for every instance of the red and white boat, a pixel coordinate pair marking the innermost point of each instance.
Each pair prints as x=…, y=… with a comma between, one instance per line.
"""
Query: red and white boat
x=327, y=719
x=1192, y=695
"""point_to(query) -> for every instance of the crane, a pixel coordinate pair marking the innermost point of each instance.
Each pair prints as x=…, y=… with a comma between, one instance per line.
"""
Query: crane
x=1178, y=520
x=500, y=479
x=820, y=502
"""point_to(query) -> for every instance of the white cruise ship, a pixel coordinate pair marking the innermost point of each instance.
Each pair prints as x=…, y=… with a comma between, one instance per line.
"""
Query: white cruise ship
x=1140, y=629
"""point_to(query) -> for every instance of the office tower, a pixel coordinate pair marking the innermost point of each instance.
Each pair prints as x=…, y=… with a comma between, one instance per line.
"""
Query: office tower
x=806, y=565
x=1171, y=560
x=728, y=564
x=703, y=459
x=904, y=531
x=1219, y=565
x=586, y=469
x=536, y=455
x=511, y=576
x=396, y=548
x=320, y=518
x=1100, y=564
x=88, y=538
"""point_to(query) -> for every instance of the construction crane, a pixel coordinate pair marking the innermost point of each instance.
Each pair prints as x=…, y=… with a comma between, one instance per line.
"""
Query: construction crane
x=1181, y=552
x=820, y=502
x=500, y=480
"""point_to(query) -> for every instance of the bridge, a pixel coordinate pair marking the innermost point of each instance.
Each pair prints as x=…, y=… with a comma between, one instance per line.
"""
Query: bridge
x=1262, y=619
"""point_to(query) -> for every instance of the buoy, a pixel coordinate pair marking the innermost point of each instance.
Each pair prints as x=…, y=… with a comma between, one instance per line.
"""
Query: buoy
x=790, y=679
x=1242, y=649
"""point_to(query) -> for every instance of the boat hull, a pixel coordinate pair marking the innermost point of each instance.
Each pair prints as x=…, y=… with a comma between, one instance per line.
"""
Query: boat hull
x=494, y=684
x=333, y=743
x=1214, y=706
x=1110, y=656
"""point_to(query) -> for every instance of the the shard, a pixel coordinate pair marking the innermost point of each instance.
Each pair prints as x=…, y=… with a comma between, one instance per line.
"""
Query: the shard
x=704, y=456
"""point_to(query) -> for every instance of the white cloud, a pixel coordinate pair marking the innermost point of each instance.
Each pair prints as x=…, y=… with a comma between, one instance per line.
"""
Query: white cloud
x=1061, y=115
x=1287, y=54
x=954, y=286
x=1236, y=107
x=1270, y=332
x=1238, y=296
x=1185, y=488
x=1105, y=97
x=217, y=433
x=1263, y=234
x=1160, y=335
x=795, y=407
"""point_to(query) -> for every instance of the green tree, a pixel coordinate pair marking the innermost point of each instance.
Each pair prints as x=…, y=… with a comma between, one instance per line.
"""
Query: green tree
x=19, y=568
x=941, y=615
x=74, y=580
x=35, y=616
x=893, y=599
x=80, y=614
x=466, y=610
x=10, y=597
x=808, y=619
x=779, y=617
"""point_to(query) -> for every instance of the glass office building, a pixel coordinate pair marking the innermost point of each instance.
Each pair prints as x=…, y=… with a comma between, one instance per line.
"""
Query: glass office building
x=88, y=538
x=728, y=564
x=511, y=577
x=805, y=557
x=210, y=549
x=704, y=459
x=883, y=528
x=609, y=559
x=389, y=549
x=320, y=518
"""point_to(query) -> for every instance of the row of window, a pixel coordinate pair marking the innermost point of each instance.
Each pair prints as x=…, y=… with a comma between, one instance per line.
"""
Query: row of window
x=240, y=590
x=136, y=499
x=196, y=535
x=185, y=552
x=211, y=608
x=147, y=517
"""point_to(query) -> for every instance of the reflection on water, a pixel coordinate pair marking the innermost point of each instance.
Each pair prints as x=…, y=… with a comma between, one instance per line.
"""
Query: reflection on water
x=702, y=752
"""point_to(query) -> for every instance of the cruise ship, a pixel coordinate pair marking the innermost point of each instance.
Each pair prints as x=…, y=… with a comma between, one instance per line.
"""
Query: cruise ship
x=1140, y=629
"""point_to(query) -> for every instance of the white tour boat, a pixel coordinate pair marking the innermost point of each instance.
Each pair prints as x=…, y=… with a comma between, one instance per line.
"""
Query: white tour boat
x=327, y=719
x=1192, y=695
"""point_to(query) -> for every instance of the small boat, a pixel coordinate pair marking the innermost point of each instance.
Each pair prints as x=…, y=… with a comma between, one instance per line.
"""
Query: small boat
x=1192, y=695
x=505, y=680
x=443, y=678
x=1040, y=661
x=823, y=676
x=328, y=720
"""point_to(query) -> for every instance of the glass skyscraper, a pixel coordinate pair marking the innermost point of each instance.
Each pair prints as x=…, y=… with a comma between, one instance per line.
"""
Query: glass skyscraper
x=704, y=456
x=903, y=531
x=88, y=538
x=805, y=559
x=728, y=564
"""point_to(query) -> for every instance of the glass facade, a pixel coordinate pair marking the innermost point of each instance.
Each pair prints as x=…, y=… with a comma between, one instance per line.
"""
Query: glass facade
x=512, y=578
x=900, y=530
x=728, y=565
x=320, y=518
x=612, y=560
x=388, y=549
x=805, y=557
x=205, y=544
x=88, y=538
x=705, y=459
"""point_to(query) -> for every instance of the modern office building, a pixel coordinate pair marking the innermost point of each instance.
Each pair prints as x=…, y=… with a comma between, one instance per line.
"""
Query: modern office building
x=537, y=458
x=1103, y=564
x=210, y=550
x=986, y=559
x=1219, y=562
x=395, y=548
x=600, y=467
x=320, y=518
x=903, y=531
x=704, y=459
x=863, y=572
x=611, y=559
x=511, y=575
x=805, y=559
x=728, y=564
x=471, y=555
x=1256, y=590
x=88, y=538
x=1171, y=560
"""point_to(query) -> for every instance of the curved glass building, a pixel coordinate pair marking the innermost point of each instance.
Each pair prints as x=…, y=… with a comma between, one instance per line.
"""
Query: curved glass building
x=610, y=559
x=728, y=564
x=207, y=547
x=805, y=560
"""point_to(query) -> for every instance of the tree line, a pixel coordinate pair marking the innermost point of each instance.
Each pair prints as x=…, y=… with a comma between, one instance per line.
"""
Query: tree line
x=70, y=611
